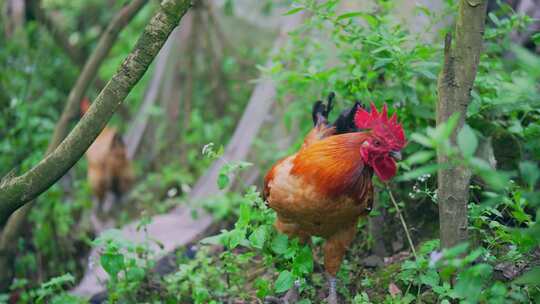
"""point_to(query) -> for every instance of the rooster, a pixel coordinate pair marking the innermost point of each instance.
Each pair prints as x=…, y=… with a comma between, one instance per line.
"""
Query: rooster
x=324, y=188
x=109, y=169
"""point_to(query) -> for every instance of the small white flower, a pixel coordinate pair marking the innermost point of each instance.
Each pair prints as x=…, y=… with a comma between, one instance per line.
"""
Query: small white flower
x=185, y=188
x=208, y=148
x=424, y=177
x=172, y=192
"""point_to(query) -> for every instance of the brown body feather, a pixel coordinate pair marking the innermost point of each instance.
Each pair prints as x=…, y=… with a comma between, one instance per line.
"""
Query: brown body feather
x=322, y=190
x=109, y=169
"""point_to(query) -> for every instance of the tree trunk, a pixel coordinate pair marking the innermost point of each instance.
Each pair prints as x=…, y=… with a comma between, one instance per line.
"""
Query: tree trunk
x=377, y=226
x=454, y=87
x=14, y=15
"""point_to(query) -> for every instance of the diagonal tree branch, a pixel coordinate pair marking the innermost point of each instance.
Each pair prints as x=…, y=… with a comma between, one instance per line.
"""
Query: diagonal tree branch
x=454, y=87
x=17, y=191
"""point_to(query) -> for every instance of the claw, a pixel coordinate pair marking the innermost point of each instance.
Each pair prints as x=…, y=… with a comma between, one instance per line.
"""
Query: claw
x=332, y=299
x=272, y=300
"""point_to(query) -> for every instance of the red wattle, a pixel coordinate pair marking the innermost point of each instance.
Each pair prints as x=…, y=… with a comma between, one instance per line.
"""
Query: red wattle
x=385, y=168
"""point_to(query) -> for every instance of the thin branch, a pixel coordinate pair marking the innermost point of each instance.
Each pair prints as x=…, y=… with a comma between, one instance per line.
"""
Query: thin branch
x=403, y=223
x=16, y=192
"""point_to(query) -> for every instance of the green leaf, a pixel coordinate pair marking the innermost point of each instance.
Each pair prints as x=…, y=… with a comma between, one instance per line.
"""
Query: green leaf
x=263, y=287
x=531, y=277
x=371, y=20
x=467, y=141
x=494, y=18
x=470, y=281
x=258, y=237
x=381, y=62
x=59, y=281
x=349, y=15
x=293, y=11
x=422, y=139
x=303, y=261
x=113, y=263
x=529, y=172
x=427, y=169
x=245, y=215
x=223, y=180
x=236, y=237
x=284, y=281
x=456, y=250
x=213, y=240
x=449, y=126
x=280, y=244
x=431, y=278
x=135, y=274
x=428, y=74
x=420, y=157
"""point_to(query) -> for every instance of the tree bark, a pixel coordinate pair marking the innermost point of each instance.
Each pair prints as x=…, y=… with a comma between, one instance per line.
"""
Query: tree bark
x=454, y=87
x=17, y=191
x=376, y=228
x=14, y=16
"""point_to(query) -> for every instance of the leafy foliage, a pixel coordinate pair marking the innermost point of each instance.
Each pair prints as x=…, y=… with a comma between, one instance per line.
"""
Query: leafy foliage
x=366, y=55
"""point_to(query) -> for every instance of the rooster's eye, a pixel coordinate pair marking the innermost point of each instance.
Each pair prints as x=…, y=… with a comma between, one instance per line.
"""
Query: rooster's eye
x=376, y=142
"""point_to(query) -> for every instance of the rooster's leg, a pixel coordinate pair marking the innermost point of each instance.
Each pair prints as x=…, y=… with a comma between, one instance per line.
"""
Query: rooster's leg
x=334, y=251
x=332, y=293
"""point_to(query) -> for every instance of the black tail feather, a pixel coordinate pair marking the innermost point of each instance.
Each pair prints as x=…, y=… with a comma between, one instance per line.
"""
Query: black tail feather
x=345, y=122
x=321, y=111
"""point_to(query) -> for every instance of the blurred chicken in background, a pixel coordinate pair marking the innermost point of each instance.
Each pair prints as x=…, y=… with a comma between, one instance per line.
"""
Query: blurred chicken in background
x=109, y=169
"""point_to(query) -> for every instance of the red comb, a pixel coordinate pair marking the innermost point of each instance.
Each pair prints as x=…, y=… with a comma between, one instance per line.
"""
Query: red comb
x=85, y=105
x=380, y=123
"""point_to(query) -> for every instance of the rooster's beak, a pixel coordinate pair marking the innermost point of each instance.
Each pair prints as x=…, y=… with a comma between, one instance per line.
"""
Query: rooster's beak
x=396, y=155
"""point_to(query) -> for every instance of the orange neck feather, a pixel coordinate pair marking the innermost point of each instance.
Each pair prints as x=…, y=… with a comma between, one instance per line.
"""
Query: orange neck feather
x=333, y=165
